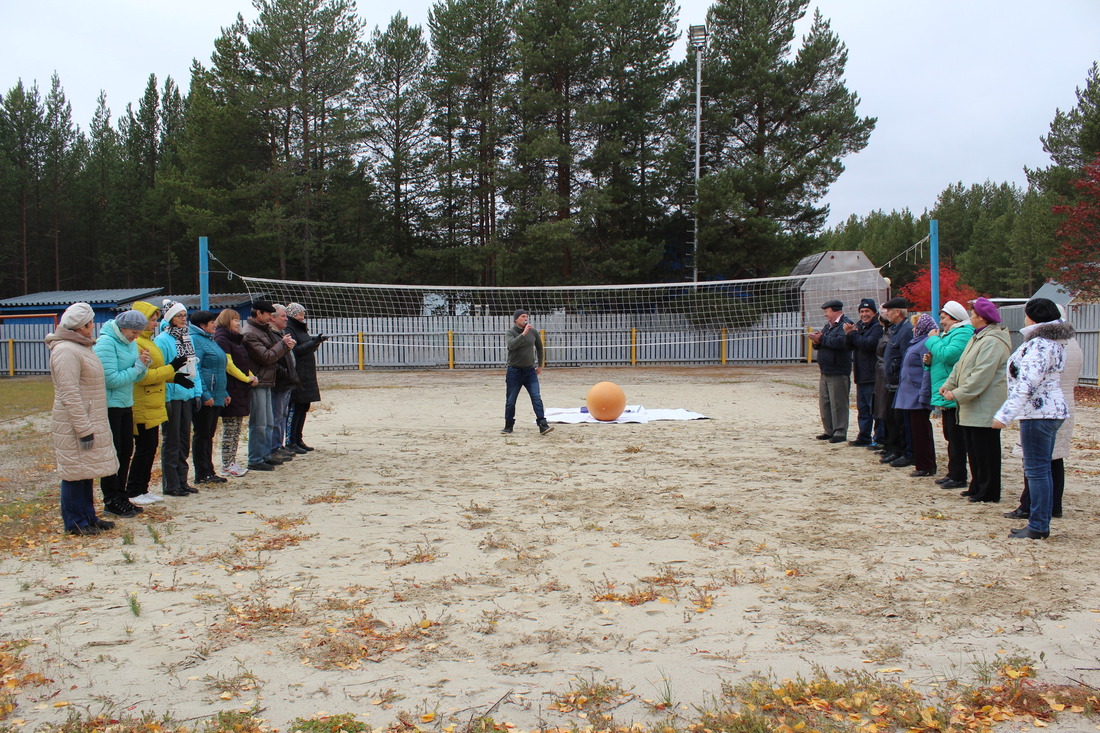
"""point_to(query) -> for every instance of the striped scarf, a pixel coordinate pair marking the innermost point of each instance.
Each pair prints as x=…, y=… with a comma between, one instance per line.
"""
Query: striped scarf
x=184, y=347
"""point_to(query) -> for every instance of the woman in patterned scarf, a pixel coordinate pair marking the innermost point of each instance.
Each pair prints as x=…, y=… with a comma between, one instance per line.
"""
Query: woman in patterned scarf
x=175, y=341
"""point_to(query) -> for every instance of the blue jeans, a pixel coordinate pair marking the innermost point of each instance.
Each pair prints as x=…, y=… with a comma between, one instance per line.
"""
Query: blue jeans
x=865, y=398
x=77, y=504
x=1037, y=440
x=280, y=407
x=516, y=378
x=259, y=424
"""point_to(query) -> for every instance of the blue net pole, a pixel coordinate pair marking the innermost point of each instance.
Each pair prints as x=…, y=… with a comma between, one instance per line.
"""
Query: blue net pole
x=934, y=270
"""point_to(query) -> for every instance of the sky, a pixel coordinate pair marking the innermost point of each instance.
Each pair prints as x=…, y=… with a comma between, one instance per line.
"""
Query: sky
x=962, y=89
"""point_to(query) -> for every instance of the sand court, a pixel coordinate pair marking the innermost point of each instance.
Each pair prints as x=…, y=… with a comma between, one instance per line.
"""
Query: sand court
x=420, y=563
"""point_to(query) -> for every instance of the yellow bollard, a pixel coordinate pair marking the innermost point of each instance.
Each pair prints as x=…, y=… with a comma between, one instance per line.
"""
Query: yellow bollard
x=362, y=351
x=809, y=346
x=633, y=347
x=11, y=357
x=450, y=349
x=542, y=335
x=724, y=347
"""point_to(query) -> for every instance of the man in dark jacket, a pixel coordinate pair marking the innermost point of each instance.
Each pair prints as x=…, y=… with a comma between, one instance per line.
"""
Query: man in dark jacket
x=834, y=358
x=264, y=348
x=863, y=338
x=900, y=333
x=524, y=366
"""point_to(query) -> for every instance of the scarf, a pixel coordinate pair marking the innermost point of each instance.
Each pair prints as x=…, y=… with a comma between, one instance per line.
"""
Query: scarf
x=184, y=347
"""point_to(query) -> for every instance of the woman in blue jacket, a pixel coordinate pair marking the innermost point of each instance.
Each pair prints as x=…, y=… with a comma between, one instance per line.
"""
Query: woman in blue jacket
x=914, y=398
x=212, y=365
x=175, y=447
x=123, y=365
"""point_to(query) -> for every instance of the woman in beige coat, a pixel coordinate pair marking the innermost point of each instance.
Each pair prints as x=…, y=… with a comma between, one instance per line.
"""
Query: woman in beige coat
x=81, y=434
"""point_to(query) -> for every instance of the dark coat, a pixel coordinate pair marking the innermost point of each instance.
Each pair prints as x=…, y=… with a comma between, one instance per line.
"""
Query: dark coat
x=264, y=350
x=834, y=354
x=305, y=351
x=239, y=392
x=883, y=397
x=864, y=342
x=901, y=334
x=915, y=385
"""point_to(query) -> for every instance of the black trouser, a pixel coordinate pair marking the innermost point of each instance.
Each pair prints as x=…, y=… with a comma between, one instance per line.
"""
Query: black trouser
x=176, y=445
x=921, y=440
x=121, y=420
x=896, y=432
x=141, y=467
x=983, y=451
x=956, y=444
x=1058, y=477
x=297, y=421
x=205, y=421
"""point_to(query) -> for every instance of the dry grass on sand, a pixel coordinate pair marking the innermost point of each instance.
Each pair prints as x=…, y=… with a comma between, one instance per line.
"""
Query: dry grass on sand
x=418, y=570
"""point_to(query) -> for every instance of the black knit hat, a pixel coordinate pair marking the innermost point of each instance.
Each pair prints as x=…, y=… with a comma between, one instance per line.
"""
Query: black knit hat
x=518, y=313
x=1042, y=310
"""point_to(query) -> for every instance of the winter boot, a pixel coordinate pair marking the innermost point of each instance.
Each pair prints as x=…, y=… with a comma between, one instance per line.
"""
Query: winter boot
x=508, y=427
x=544, y=427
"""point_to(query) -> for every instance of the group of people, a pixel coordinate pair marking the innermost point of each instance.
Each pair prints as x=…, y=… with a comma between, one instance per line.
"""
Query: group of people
x=964, y=368
x=158, y=377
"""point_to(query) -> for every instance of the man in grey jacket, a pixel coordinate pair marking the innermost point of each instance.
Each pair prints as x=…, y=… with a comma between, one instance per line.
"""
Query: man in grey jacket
x=524, y=366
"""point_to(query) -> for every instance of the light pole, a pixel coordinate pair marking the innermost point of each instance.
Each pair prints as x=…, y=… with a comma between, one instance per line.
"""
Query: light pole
x=697, y=37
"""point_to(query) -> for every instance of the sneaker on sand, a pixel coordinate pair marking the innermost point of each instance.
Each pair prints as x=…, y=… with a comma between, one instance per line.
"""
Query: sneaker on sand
x=234, y=469
x=145, y=499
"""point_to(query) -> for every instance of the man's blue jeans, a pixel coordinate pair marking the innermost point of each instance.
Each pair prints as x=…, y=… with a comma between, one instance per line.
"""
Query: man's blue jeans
x=1037, y=440
x=865, y=402
x=280, y=406
x=259, y=424
x=516, y=378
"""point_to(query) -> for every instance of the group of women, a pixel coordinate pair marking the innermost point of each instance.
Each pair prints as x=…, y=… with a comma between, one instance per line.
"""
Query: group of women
x=154, y=377
x=967, y=370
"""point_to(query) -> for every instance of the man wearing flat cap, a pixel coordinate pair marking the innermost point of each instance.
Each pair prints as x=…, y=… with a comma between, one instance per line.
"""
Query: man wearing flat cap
x=834, y=359
x=900, y=333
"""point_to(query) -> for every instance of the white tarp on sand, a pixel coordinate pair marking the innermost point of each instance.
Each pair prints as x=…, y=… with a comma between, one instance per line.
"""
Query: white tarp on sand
x=632, y=413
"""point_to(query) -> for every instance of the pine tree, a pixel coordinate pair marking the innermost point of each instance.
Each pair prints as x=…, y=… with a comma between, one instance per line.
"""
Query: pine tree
x=395, y=107
x=1073, y=141
x=777, y=127
x=24, y=128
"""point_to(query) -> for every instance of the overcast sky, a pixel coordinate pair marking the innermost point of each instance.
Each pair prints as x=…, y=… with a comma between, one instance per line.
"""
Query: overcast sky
x=962, y=88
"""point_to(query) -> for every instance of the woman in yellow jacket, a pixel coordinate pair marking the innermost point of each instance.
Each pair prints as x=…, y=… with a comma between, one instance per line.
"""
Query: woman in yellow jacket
x=149, y=410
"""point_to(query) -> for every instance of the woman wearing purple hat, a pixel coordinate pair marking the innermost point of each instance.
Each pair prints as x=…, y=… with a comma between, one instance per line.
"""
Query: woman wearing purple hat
x=978, y=384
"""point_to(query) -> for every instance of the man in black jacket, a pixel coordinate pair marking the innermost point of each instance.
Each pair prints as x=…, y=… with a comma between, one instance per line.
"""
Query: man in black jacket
x=901, y=333
x=834, y=358
x=863, y=337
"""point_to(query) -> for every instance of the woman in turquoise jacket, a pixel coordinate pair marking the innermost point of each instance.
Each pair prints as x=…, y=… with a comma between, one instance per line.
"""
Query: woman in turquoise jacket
x=175, y=447
x=123, y=365
x=215, y=396
x=945, y=346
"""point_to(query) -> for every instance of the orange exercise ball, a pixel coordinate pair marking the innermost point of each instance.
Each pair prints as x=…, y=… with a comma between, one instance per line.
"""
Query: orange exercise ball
x=606, y=401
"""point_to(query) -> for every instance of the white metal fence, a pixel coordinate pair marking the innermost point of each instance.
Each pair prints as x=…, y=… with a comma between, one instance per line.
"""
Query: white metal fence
x=477, y=342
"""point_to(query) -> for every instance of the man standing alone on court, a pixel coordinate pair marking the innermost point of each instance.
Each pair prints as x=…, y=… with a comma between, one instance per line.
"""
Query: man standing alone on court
x=524, y=366
x=834, y=358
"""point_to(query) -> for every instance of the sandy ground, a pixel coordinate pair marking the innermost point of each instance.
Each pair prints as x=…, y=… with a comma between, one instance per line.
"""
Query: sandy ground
x=418, y=563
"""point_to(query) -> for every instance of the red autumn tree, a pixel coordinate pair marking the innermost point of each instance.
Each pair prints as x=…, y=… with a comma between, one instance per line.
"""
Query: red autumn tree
x=1077, y=260
x=919, y=292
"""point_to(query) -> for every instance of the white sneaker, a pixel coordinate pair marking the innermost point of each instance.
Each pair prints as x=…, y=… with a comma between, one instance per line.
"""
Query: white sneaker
x=146, y=499
x=234, y=469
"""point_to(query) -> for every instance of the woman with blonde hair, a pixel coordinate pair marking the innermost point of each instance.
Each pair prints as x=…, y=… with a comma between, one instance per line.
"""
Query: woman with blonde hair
x=227, y=335
x=82, y=440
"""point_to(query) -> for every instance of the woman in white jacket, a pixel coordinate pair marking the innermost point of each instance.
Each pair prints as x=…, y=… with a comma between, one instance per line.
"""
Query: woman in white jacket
x=1035, y=398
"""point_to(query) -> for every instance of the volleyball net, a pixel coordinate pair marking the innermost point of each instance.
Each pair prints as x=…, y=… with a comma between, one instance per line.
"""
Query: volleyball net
x=753, y=320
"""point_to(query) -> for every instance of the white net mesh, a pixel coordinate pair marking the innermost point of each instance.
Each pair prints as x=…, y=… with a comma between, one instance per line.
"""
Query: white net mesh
x=759, y=320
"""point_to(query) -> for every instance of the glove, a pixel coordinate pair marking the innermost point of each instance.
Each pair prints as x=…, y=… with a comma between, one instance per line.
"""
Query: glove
x=183, y=381
x=178, y=362
x=87, y=442
x=322, y=339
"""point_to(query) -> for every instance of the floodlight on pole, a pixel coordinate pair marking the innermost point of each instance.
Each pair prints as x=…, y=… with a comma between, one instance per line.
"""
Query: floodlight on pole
x=697, y=37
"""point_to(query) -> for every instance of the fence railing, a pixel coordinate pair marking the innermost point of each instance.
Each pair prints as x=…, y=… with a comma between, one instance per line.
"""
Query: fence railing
x=477, y=342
